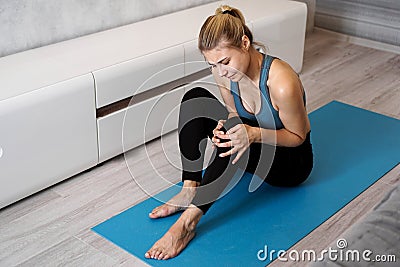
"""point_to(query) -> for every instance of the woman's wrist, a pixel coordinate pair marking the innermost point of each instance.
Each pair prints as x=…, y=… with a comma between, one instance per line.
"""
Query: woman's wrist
x=232, y=114
x=254, y=134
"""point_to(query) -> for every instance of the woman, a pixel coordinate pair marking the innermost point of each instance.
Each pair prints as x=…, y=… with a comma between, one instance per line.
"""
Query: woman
x=264, y=131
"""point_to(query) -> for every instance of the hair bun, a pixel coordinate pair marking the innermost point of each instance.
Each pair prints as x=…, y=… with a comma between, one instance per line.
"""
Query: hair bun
x=225, y=9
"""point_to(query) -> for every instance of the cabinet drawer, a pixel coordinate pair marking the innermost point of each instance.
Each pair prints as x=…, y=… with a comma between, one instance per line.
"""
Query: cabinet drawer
x=139, y=123
x=138, y=75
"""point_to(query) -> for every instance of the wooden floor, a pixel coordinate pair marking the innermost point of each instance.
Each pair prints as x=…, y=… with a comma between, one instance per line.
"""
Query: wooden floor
x=52, y=228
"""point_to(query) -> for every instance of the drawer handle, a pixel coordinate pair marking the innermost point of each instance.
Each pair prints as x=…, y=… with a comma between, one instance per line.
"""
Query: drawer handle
x=1, y=151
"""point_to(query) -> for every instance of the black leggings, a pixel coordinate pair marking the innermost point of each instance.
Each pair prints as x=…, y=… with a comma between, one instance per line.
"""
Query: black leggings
x=276, y=165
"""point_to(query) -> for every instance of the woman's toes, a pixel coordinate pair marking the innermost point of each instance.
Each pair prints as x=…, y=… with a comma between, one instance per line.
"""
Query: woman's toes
x=157, y=254
x=152, y=213
x=160, y=256
x=161, y=211
x=150, y=254
x=155, y=213
x=154, y=210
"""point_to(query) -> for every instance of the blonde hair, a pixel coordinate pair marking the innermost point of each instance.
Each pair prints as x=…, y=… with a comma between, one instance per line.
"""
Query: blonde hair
x=226, y=25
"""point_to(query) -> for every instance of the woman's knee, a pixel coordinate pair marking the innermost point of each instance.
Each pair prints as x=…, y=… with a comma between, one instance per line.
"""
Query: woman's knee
x=197, y=92
x=231, y=122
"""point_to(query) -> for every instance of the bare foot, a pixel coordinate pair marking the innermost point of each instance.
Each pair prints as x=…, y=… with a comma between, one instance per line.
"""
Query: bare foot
x=179, y=202
x=177, y=237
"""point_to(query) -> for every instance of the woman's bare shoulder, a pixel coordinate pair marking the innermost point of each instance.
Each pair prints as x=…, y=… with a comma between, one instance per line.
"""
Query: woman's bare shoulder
x=283, y=81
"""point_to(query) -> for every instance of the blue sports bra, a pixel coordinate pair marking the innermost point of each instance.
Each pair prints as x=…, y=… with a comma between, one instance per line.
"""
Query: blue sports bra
x=268, y=116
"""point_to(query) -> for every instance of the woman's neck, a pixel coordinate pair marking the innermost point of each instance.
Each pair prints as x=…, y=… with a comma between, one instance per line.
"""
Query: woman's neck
x=253, y=71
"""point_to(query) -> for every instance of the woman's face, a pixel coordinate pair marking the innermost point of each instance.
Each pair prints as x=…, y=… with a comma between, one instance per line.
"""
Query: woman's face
x=229, y=62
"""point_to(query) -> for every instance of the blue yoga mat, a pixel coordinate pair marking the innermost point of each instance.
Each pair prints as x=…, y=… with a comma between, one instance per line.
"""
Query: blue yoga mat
x=353, y=148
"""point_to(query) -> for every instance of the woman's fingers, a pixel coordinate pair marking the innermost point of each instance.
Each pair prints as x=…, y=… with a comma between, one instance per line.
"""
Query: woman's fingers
x=239, y=154
x=217, y=133
x=238, y=141
x=217, y=129
x=234, y=129
x=219, y=126
x=223, y=136
x=224, y=144
x=228, y=153
x=232, y=133
x=221, y=123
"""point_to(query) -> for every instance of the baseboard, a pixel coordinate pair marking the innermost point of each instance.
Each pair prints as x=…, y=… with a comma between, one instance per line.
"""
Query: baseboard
x=361, y=41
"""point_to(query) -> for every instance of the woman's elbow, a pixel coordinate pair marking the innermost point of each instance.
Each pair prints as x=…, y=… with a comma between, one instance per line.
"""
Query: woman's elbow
x=297, y=140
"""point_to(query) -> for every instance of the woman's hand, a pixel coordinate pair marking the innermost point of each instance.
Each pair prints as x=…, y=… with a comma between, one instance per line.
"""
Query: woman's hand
x=240, y=136
x=217, y=131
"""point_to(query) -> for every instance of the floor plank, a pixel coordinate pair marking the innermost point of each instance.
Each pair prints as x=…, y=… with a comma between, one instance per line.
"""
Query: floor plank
x=70, y=252
x=124, y=258
x=27, y=205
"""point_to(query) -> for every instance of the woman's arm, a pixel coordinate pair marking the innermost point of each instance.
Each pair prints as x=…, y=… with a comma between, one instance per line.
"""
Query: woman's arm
x=286, y=94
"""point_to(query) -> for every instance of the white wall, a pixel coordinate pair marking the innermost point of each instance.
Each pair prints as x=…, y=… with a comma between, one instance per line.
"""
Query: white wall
x=370, y=19
x=27, y=24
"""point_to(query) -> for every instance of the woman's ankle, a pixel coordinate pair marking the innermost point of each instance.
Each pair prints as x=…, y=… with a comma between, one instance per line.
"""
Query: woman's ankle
x=191, y=217
x=190, y=183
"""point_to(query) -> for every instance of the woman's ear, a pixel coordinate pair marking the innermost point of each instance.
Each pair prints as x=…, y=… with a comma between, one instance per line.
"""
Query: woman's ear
x=246, y=42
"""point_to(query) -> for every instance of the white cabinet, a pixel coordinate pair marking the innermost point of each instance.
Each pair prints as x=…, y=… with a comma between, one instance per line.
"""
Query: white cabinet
x=46, y=136
x=194, y=60
x=138, y=123
x=138, y=75
x=283, y=36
